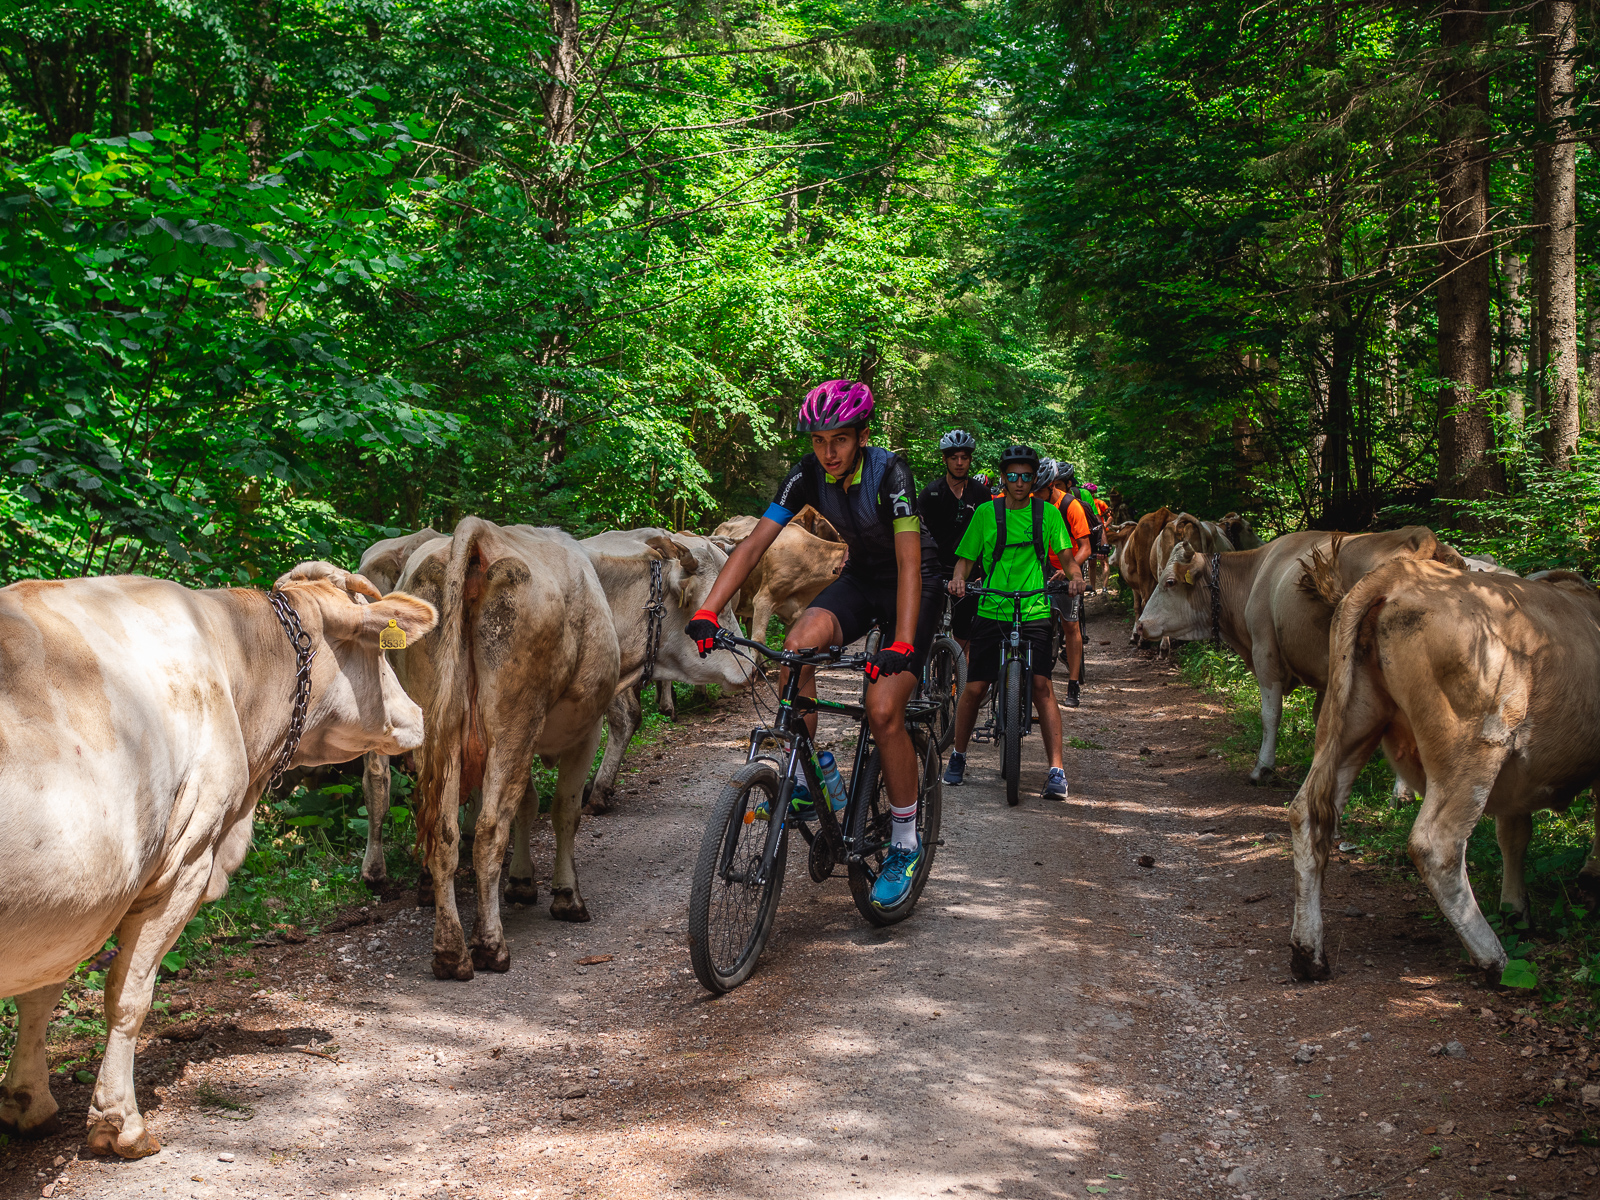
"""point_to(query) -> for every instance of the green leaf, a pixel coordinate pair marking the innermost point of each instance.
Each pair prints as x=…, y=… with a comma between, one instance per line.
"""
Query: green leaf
x=1097, y=1190
x=83, y=1076
x=173, y=961
x=1519, y=973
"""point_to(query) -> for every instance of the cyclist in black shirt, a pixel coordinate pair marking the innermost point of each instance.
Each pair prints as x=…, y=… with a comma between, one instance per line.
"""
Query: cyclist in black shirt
x=946, y=505
x=892, y=576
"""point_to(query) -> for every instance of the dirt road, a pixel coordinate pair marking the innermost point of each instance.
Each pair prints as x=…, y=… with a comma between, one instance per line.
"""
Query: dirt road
x=1055, y=1021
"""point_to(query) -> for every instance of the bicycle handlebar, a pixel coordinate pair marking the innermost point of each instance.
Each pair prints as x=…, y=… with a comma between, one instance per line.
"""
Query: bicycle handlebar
x=1064, y=588
x=832, y=656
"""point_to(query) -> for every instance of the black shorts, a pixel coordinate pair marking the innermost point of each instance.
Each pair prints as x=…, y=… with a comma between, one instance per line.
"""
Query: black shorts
x=1067, y=608
x=858, y=602
x=983, y=663
x=962, y=614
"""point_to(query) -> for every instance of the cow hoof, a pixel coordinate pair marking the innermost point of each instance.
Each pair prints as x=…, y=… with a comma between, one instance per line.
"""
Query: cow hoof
x=499, y=961
x=425, y=894
x=1263, y=777
x=48, y=1127
x=376, y=881
x=106, y=1139
x=452, y=966
x=521, y=891
x=596, y=804
x=567, y=905
x=1307, y=968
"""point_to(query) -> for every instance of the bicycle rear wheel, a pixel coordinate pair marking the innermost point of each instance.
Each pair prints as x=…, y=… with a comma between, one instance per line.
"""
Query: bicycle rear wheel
x=1012, y=701
x=946, y=678
x=871, y=827
x=730, y=917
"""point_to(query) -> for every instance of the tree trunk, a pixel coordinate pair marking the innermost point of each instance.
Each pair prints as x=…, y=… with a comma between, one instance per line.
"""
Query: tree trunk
x=258, y=129
x=560, y=115
x=146, y=71
x=121, y=86
x=1555, y=163
x=1591, y=341
x=1467, y=469
x=1513, y=333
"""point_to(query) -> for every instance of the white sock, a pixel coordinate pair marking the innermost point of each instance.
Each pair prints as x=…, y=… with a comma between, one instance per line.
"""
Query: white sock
x=905, y=829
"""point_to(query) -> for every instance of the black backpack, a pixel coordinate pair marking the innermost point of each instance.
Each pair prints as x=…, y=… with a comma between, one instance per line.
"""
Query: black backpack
x=1000, y=543
x=1097, y=528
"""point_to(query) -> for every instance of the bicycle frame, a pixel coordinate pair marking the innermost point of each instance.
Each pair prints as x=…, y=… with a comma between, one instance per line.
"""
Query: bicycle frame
x=1012, y=647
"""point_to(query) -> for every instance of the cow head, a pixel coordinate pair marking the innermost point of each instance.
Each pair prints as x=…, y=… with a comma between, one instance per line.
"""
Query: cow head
x=691, y=565
x=1180, y=605
x=357, y=704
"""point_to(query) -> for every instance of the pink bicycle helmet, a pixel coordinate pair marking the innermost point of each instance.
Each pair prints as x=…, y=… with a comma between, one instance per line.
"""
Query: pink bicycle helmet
x=835, y=405
x=1093, y=490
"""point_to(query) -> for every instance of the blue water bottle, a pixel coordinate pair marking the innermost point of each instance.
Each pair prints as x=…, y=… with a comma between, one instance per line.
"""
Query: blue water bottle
x=832, y=781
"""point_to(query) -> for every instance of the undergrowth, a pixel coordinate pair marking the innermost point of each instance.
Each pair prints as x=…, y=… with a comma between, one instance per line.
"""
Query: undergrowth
x=1558, y=958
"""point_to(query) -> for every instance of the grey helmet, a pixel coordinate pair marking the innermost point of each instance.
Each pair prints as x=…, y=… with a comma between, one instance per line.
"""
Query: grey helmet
x=1046, y=474
x=958, y=439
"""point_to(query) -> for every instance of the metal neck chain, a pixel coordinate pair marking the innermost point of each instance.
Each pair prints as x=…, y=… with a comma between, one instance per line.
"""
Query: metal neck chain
x=1216, y=599
x=655, y=617
x=303, y=654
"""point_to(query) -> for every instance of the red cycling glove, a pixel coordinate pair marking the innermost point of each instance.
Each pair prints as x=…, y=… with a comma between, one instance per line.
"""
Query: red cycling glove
x=891, y=660
x=703, y=628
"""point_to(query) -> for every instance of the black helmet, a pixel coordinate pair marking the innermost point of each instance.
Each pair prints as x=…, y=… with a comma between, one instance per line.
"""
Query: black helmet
x=1020, y=453
x=957, y=439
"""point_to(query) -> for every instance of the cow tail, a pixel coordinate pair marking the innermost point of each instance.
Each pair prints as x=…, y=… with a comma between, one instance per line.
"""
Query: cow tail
x=1320, y=577
x=451, y=717
x=1350, y=646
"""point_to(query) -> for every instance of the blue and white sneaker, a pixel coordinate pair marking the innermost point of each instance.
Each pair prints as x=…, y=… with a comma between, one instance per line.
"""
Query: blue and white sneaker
x=956, y=772
x=894, y=882
x=799, y=804
x=1055, y=784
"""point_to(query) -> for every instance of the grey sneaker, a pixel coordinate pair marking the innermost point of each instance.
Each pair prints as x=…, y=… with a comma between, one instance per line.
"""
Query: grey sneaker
x=956, y=772
x=1055, y=784
x=1071, y=700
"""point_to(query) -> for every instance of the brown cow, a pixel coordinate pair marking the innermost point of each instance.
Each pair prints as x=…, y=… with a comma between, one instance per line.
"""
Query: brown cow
x=1269, y=612
x=787, y=578
x=1239, y=532
x=736, y=529
x=1480, y=688
x=1201, y=537
x=1134, y=561
x=525, y=663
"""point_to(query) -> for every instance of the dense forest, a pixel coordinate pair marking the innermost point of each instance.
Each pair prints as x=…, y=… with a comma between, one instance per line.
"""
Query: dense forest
x=280, y=277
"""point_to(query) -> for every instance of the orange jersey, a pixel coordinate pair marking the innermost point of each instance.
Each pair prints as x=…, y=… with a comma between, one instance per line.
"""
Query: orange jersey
x=1077, y=520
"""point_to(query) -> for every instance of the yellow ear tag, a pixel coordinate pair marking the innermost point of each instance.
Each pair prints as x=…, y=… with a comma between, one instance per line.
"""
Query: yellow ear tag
x=392, y=637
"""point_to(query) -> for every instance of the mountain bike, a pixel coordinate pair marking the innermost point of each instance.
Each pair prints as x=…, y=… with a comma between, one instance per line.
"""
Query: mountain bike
x=738, y=877
x=1010, y=699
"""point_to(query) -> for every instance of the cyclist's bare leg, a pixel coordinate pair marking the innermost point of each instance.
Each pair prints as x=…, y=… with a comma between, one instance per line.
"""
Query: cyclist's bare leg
x=1049, y=710
x=967, y=712
x=816, y=629
x=886, y=714
x=1074, y=642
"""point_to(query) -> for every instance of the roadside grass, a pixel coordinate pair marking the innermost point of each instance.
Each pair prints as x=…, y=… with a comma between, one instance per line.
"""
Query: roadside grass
x=1557, y=959
x=303, y=867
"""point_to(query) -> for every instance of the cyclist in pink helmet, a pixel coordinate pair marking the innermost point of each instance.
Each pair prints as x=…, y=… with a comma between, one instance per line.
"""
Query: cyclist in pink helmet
x=892, y=577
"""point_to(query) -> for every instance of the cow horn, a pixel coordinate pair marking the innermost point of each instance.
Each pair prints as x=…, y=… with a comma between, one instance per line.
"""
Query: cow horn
x=358, y=587
x=670, y=548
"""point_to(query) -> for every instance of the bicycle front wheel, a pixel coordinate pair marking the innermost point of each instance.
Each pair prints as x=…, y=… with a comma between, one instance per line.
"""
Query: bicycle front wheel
x=946, y=676
x=1013, y=699
x=871, y=827
x=730, y=912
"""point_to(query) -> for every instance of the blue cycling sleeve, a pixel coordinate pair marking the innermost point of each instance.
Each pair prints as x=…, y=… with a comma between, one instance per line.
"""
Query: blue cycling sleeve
x=776, y=512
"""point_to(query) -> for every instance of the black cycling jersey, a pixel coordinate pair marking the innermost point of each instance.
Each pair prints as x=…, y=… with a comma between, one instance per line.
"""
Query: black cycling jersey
x=945, y=515
x=877, y=505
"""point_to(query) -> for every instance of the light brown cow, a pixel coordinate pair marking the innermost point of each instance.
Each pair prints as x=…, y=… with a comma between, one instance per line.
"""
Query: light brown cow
x=139, y=723
x=1133, y=564
x=525, y=663
x=787, y=578
x=622, y=561
x=1270, y=612
x=1481, y=689
x=1239, y=532
x=736, y=529
x=1201, y=537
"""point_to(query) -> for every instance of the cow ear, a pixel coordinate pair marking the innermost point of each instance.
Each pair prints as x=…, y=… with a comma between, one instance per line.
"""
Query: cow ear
x=395, y=621
x=669, y=548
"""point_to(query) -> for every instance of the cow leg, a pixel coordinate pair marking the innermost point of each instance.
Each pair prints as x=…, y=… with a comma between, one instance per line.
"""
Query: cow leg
x=566, y=903
x=505, y=783
x=27, y=1109
x=1514, y=832
x=450, y=957
x=375, y=791
x=1271, y=717
x=521, y=887
x=623, y=718
x=1438, y=846
x=1589, y=876
x=666, y=701
x=115, y=1124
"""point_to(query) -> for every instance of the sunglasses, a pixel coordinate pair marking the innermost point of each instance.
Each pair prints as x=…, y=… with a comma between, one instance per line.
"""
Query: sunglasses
x=1019, y=476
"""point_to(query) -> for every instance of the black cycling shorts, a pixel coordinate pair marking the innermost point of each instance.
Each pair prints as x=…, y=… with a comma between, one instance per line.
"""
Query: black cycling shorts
x=962, y=614
x=858, y=602
x=983, y=663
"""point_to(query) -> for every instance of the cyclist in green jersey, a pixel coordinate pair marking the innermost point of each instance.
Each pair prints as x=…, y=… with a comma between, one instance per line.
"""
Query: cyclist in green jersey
x=1019, y=567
